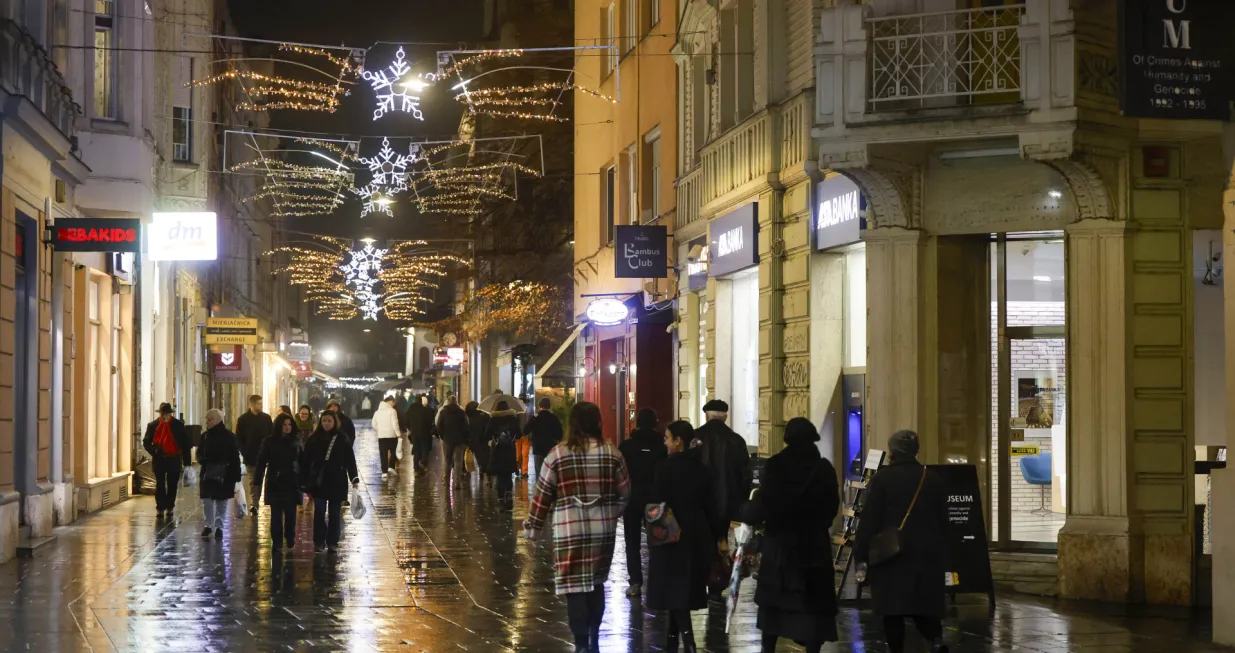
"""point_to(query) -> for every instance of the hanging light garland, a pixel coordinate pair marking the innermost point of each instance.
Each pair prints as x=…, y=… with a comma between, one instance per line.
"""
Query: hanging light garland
x=275, y=92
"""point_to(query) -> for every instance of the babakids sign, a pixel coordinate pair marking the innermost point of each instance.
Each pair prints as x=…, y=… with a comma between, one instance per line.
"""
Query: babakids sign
x=839, y=210
x=1176, y=58
x=96, y=235
x=642, y=252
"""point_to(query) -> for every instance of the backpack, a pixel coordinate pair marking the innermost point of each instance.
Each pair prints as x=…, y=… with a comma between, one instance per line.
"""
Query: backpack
x=504, y=437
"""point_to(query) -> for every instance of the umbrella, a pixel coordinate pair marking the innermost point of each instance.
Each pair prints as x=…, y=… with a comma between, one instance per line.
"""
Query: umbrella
x=742, y=535
x=488, y=403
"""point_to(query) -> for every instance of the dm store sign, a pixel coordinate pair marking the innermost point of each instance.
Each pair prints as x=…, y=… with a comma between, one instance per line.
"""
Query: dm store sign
x=642, y=252
x=1176, y=58
x=733, y=241
x=838, y=214
x=182, y=237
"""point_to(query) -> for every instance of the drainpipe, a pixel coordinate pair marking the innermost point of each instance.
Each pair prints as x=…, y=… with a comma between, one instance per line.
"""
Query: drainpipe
x=57, y=355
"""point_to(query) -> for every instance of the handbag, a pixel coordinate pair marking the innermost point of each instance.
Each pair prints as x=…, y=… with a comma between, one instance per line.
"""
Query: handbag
x=662, y=525
x=888, y=543
x=469, y=461
x=317, y=474
x=214, y=473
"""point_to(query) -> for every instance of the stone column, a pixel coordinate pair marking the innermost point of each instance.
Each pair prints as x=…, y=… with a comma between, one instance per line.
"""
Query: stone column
x=688, y=354
x=774, y=305
x=794, y=336
x=895, y=297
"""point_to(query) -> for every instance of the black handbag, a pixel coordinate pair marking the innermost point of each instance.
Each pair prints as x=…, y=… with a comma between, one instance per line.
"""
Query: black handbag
x=214, y=473
x=317, y=471
x=889, y=542
x=662, y=525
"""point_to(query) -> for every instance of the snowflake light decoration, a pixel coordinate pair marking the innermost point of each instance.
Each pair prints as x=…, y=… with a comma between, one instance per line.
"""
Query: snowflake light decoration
x=389, y=169
x=391, y=86
x=362, y=273
x=376, y=200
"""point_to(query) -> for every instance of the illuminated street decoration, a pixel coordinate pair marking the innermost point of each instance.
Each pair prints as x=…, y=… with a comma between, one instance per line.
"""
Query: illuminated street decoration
x=361, y=273
x=376, y=200
x=391, y=85
x=266, y=92
x=389, y=169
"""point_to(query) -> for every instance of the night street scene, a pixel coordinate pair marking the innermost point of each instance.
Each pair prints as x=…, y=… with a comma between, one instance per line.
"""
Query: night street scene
x=616, y=326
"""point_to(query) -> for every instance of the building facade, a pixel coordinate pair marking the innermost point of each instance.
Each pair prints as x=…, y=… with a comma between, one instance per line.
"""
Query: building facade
x=624, y=176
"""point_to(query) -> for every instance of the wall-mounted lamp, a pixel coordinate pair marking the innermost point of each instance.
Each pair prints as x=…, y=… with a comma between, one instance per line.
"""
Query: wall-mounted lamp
x=613, y=367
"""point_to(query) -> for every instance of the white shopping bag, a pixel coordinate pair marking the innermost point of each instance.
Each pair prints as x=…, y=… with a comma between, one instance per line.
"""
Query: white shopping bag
x=243, y=469
x=358, y=508
x=190, y=476
x=399, y=449
x=241, y=504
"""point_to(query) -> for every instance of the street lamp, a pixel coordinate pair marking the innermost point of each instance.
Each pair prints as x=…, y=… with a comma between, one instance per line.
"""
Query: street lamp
x=330, y=355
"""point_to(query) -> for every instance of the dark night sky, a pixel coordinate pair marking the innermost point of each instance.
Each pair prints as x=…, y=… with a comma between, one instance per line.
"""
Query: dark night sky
x=363, y=23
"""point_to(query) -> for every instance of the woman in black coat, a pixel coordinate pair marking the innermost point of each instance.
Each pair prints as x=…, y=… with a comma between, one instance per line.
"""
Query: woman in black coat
x=327, y=464
x=796, y=503
x=278, y=465
x=501, y=433
x=477, y=424
x=218, y=453
x=678, y=573
x=911, y=583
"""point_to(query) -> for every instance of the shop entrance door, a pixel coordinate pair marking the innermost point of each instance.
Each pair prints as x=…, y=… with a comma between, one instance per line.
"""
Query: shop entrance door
x=1030, y=434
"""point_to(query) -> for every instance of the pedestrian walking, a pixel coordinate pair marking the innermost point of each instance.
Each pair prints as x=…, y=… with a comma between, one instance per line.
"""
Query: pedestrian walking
x=678, y=571
x=901, y=546
x=585, y=486
x=219, y=457
x=726, y=455
x=452, y=428
x=284, y=410
x=545, y=430
x=346, y=426
x=796, y=503
x=386, y=423
x=278, y=467
x=420, y=431
x=502, y=434
x=170, y=449
x=327, y=465
x=401, y=407
x=478, y=425
x=642, y=452
x=303, y=422
x=365, y=406
x=252, y=428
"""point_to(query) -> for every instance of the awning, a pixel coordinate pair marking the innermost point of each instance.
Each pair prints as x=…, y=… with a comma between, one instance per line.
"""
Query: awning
x=558, y=354
x=318, y=374
x=405, y=383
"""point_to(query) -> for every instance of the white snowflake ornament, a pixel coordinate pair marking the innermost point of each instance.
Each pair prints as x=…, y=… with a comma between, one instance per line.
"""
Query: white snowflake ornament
x=389, y=169
x=390, y=85
x=376, y=200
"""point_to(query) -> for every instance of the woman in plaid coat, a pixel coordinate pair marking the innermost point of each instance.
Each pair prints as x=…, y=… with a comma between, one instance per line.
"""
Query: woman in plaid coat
x=586, y=486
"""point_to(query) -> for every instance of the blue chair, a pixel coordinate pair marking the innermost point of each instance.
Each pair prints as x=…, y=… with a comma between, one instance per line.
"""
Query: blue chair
x=1036, y=470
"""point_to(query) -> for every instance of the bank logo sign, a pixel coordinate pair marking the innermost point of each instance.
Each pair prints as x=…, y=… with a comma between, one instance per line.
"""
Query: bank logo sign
x=1176, y=58
x=733, y=243
x=642, y=252
x=839, y=213
x=183, y=237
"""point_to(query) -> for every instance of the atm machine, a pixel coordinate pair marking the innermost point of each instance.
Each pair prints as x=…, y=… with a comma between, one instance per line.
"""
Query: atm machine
x=853, y=424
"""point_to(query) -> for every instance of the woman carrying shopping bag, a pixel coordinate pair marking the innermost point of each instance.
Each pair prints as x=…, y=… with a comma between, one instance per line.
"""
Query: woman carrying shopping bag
x=219, y=457
x=386, y=423
x=278, y=467
x=327, y=464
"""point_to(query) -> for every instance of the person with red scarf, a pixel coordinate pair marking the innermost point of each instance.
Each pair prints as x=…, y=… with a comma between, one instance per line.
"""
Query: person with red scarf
x=169, y=446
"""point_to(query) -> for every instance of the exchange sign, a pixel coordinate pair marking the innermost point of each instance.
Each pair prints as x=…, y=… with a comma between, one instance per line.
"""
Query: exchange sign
x=231, y=331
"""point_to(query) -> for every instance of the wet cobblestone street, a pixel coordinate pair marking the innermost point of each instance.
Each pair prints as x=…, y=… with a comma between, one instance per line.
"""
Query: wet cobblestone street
x=428, y=569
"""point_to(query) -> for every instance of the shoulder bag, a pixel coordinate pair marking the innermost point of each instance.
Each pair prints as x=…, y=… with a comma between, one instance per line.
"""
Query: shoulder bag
x=662, y=525
x=317, y=475
x=889, y=542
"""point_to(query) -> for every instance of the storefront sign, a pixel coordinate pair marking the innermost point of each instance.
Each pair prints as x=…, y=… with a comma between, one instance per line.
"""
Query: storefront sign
x=969, y=563
x=1025, y=450
x=451, y=358
x=607, y=312
x=697, y=270
x=1176, y=58
x=299, y=352
x=96, y=235
x=231, y=331
x=302, y=369
x=641, y=252
x=733, y=241
x=839, y=207
x=182, y=237
x=231, y=365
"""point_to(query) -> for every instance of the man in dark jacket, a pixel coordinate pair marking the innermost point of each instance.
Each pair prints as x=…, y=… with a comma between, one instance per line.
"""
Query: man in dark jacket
x=477, y=423
x=642, y=451
x=346, y=426
x=420, y=430
x=725, y=453
x=546, y=431
x=252, y=428
x=452, y=428
x=168, y=444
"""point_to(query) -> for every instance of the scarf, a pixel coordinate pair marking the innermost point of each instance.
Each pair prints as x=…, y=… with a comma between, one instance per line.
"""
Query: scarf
x=164, y=440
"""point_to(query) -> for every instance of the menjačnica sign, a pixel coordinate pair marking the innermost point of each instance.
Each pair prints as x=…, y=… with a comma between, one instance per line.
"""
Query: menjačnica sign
x=1176, y=58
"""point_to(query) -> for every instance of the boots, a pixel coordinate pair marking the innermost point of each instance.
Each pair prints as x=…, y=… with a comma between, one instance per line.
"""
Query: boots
x=688, y=643
x=671, y=643
x=938, y=646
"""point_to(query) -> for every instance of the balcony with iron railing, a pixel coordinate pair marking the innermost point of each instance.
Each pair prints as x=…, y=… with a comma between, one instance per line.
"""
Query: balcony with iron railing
x=26, y=69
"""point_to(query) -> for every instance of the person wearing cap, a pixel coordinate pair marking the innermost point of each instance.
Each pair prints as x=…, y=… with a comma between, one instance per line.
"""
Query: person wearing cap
x=726, y=454
x=796, y=503
x=170, y=449
x=909, y=582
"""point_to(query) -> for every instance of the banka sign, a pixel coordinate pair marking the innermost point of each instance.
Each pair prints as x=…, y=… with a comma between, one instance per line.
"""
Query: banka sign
x=642, y=252
x=733, y=243
x=1176, y=58
x=839, y=213
x=183, y=237
x=96, y=235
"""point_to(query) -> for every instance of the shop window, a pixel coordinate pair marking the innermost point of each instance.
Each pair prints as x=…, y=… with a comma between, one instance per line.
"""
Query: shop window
x=104, y=59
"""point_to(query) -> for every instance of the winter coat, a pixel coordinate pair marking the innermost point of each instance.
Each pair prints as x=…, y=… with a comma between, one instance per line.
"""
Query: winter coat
x=585, y=493
x=386, y=421
x=278, y=466
x=796, y=503
x=179, y=434
x=251, y=430
x=912, y=583
x=546, y=431
x=725, y=453
x=452, y=426
x=401, y=408
x=348, y=427
x=643, y=452
x=678, y=573
x=340, y=468
x=502, y=454
x=478, y=424
x=219, y=450
x=419, y=421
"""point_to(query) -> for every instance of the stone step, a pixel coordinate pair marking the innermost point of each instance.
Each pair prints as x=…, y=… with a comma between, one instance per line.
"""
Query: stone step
x=27, y=545
x=1026, y=573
